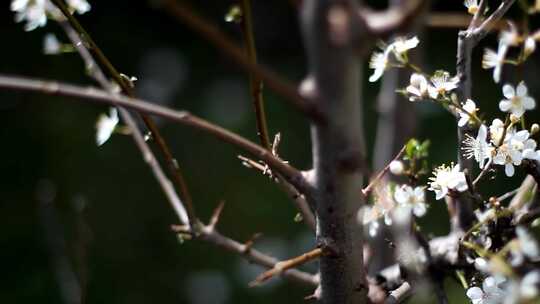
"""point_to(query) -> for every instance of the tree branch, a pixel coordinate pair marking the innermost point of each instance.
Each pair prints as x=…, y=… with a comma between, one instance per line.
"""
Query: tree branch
x=148, y=156
x=163, y=147
x=90, y=94
x=338, y=146
x=282, y=266
x=184, y=13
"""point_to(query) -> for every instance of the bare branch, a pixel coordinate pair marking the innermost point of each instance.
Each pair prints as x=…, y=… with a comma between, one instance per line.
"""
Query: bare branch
x=172, y=163
x=90, y=94
x=148, y=156
x=212, y=236
x=184, y=13
x=255, y=84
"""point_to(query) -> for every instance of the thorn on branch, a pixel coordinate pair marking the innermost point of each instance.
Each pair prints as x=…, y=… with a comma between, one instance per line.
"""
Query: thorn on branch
x=249, y=243
x=282, y=266
x=216, y=215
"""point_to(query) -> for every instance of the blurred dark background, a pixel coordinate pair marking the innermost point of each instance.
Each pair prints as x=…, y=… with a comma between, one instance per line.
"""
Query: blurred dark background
x=69, y=208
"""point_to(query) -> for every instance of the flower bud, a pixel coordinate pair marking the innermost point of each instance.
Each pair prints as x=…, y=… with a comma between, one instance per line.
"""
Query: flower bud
x=396, y=167
x=530, y=46
x=535, y=128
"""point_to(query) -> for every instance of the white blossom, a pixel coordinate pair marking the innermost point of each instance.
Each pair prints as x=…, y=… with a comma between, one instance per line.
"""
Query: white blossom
x=490, y=293
x=495, y=60
x=442, y=84
x=105, y=126
x=396, y=167
x=472, y=6
x=411, y=198
x=478, y=147
x=524, y=290
x=447, y=178
x=401, y=46
x=465, y=116
x=380, y=63
x=51, y=45
x=525, y=246
x=518, y=100
x=510, y=153
x=80, y=6
x=34, y=12
x=418, y=87
x=496, y=131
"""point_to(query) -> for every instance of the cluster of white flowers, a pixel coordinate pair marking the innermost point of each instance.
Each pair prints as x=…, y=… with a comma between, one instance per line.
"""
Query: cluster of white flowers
x=394, y=53
x=515, y=146
x=500, y=290
x=439, y=85
x=35, y=12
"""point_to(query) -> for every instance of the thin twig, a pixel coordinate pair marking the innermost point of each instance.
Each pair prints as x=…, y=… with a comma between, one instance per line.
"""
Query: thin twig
x=282, y=266
x=255, y=84
x=367, y=190
x=483, y=172
x=184, y=13
x=209, y=233
x=90, y=94
x=298, y=198
x=97, y=74
x=172, y=163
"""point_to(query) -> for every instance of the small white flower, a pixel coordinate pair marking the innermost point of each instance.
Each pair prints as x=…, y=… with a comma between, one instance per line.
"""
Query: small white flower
x=34, y=12
x=411, y=198
x=495, y=60
x=525, y=246
x=478, y=147
x=518, y=101
x=529, y=285
x=380, y=63
x=447, y=178
x=51, y=45
x=396, y=167
x=105, y=126
x=510, y=153
x=442, y=84
x=418, y=88
x=401, y=46
x=496, y=131
x=472, y=6
x=465, y=116
x=490, y=293
x=80, y=6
